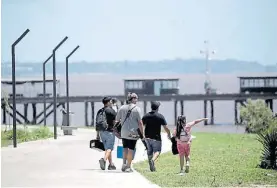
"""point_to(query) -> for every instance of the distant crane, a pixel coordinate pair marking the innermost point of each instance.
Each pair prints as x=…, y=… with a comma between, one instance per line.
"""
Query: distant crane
x=208, y=83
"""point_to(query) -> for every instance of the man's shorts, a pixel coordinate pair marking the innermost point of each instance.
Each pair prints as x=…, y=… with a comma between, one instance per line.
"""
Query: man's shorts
x=153, y=146
x=108, y=139
x=130, y=144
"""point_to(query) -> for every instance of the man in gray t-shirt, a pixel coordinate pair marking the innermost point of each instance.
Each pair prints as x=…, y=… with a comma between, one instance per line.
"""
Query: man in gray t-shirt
x=129, y=130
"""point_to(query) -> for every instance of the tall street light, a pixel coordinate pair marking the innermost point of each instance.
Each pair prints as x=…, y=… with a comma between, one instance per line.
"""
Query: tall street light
x=67, y=83
x=13, y=85
x=207, y=54
x=54, y=86
x=44, y=90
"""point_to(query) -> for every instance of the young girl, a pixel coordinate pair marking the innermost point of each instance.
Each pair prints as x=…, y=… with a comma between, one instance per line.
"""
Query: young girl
x=183, y=136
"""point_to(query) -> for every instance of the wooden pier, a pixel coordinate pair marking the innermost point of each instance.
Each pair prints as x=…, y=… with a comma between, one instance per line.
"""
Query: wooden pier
x=264, y=88
x=238, y=98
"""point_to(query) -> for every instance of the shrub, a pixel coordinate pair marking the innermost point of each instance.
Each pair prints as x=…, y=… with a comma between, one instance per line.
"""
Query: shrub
x=25, y=135
x=42, y=132
x=257, y=116
x=22, y=135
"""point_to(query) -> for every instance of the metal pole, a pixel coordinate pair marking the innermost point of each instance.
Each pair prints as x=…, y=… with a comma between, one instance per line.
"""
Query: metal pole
x=44, y=90
x=207, y=52
x=207, y=61
x=67, y=84
x=13, y=87
x=54, y=86
x=207, y=67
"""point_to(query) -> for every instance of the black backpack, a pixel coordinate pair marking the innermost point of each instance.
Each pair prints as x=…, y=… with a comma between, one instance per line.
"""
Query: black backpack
x=174, y=146
x=101, y=120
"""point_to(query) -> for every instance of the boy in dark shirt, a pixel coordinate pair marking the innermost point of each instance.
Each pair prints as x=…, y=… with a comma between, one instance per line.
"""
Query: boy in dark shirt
x=153, y=122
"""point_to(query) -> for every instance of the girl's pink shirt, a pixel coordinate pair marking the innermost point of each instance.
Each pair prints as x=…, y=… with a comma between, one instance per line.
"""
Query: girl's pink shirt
x=187, y=128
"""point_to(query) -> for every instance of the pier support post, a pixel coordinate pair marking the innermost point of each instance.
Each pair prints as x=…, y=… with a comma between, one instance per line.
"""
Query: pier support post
x=212, y=112
x=266, y=102
x=86, y=113
x=236, y=112
x=34, y=122
x=26, y=113
x=182, y=107
x=175, y=113
x=92, y=114
x=241, y=104
x=269, y=103
x=205, y=112
x=144, y=107
x=4, y=114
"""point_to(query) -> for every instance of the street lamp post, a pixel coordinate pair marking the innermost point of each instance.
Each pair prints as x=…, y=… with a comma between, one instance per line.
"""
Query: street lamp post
x=13, y=85
x=67, y=83
x=208, y=83
x=207, y=53
x=44, y=90
x=54, y=86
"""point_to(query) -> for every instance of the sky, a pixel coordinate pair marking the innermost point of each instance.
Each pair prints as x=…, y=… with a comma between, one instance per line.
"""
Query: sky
x=119, y=30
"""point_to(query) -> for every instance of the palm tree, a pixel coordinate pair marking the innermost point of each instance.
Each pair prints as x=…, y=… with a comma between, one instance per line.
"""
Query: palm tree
x=269, y=152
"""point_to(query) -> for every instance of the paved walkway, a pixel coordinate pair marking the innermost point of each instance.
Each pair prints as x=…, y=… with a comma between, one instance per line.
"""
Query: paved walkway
x=66, y=162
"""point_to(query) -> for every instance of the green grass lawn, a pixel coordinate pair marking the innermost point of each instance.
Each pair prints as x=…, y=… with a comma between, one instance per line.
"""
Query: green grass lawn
x=216, y=160
x=25, y=135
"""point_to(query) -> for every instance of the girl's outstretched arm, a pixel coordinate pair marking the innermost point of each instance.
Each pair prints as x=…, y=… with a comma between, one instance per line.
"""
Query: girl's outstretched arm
x=196, y=121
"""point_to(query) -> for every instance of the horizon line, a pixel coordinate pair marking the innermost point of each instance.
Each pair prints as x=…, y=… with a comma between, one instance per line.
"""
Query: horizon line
x=143, y=60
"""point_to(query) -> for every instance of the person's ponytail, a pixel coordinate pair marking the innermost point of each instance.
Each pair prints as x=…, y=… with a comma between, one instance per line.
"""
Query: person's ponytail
x=180, y=120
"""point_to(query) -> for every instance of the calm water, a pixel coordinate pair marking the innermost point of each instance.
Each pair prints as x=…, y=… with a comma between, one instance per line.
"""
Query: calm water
x=102, y=84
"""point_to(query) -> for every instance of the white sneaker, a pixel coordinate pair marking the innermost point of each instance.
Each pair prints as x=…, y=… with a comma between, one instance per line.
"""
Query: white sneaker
x=123, y=168
x=128, y=169
x=187, y=167
x=181, y=173
x=187, y=163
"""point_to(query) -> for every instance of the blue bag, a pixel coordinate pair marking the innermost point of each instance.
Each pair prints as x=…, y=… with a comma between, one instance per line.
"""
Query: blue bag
x=120, y=152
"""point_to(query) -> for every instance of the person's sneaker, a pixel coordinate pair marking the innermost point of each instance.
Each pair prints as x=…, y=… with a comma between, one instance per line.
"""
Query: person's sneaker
x=181, y=173
x=111, y=167
x=152, y=165
x=128, y=169
x=187, y=163
x=123, y=168
x=102, y=163
x=149, y=162
x=187, y=167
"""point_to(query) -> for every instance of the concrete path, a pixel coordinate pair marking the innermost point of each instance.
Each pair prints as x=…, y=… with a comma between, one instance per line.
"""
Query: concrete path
x=67, y=162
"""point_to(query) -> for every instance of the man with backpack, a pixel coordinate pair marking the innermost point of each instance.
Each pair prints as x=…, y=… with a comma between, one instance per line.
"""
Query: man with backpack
x=130, y=117
x=105, y=119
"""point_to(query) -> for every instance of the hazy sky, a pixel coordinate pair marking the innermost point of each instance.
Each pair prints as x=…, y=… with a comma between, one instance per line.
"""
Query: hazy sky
x=109, y=30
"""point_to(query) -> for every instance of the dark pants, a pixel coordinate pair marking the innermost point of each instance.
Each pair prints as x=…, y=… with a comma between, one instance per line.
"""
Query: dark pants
x=153, y=146
x=130, y=144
